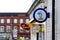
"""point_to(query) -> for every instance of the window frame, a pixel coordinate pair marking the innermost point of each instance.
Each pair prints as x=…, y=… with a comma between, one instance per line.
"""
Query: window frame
x=9, y=28
x=27, y=20
x=2, y=30
x=21, y=20
x=15, y=20
x=1, y=20
x=9, y=20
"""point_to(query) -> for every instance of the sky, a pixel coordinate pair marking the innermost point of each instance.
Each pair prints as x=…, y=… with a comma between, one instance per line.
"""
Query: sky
x=15, y=5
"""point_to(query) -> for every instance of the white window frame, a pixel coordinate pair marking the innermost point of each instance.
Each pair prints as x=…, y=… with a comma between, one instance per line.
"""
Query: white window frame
x=21, y=20
x=7, y=28
x=2, y=20
x=27, y=20
x=15, y=20
x=14, y=27
x=1, y=30
x=8, y=20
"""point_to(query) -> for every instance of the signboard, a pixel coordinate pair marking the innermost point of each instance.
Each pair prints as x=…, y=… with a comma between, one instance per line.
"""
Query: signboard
x=40, y=15
x=25, y=26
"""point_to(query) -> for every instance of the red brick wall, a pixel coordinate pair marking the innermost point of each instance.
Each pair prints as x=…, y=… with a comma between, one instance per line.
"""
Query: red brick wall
x=21, y=16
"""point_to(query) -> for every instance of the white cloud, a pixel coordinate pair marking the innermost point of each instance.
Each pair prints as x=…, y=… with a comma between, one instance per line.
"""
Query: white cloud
x=15, y=5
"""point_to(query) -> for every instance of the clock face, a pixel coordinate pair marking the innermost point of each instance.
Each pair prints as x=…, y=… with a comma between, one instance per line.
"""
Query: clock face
x=40, y=15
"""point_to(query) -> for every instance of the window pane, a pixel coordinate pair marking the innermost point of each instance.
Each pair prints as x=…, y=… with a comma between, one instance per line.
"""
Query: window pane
x=27, y=20
x=15, y=20
x=21, y=20
x=8, y=20
x=21, y=29
x=15, y=27
x=8, y=29
x=2, y=20
x=1, y=28
x=27, y=38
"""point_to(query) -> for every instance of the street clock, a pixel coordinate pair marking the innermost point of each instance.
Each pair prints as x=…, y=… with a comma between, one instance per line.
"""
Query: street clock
x=40, y=15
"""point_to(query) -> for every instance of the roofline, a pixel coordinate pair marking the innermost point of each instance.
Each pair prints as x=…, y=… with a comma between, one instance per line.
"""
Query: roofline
x=36, y=2
x=11, y=14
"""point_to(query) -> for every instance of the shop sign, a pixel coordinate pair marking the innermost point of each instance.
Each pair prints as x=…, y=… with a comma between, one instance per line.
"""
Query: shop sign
x=25, y=26
x=40, y=15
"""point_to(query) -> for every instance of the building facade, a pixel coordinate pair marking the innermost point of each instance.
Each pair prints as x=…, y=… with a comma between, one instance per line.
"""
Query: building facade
x=57, y=20
x=47, y=5
x=10, y=27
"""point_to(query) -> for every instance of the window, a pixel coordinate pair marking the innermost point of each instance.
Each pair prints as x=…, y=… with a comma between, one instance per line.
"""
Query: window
x=2, y=20
x=1, y=28
x=15, y=27
x=8, y=28
x=34, y=29
x=21, y=29
x=26, y=38
x=15, y=20
x=21, y=20
x=27, y=20
x=15, y=31
x=8, y=20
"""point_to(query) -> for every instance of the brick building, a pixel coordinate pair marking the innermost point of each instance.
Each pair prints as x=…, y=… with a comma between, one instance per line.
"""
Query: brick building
x=10, y=25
